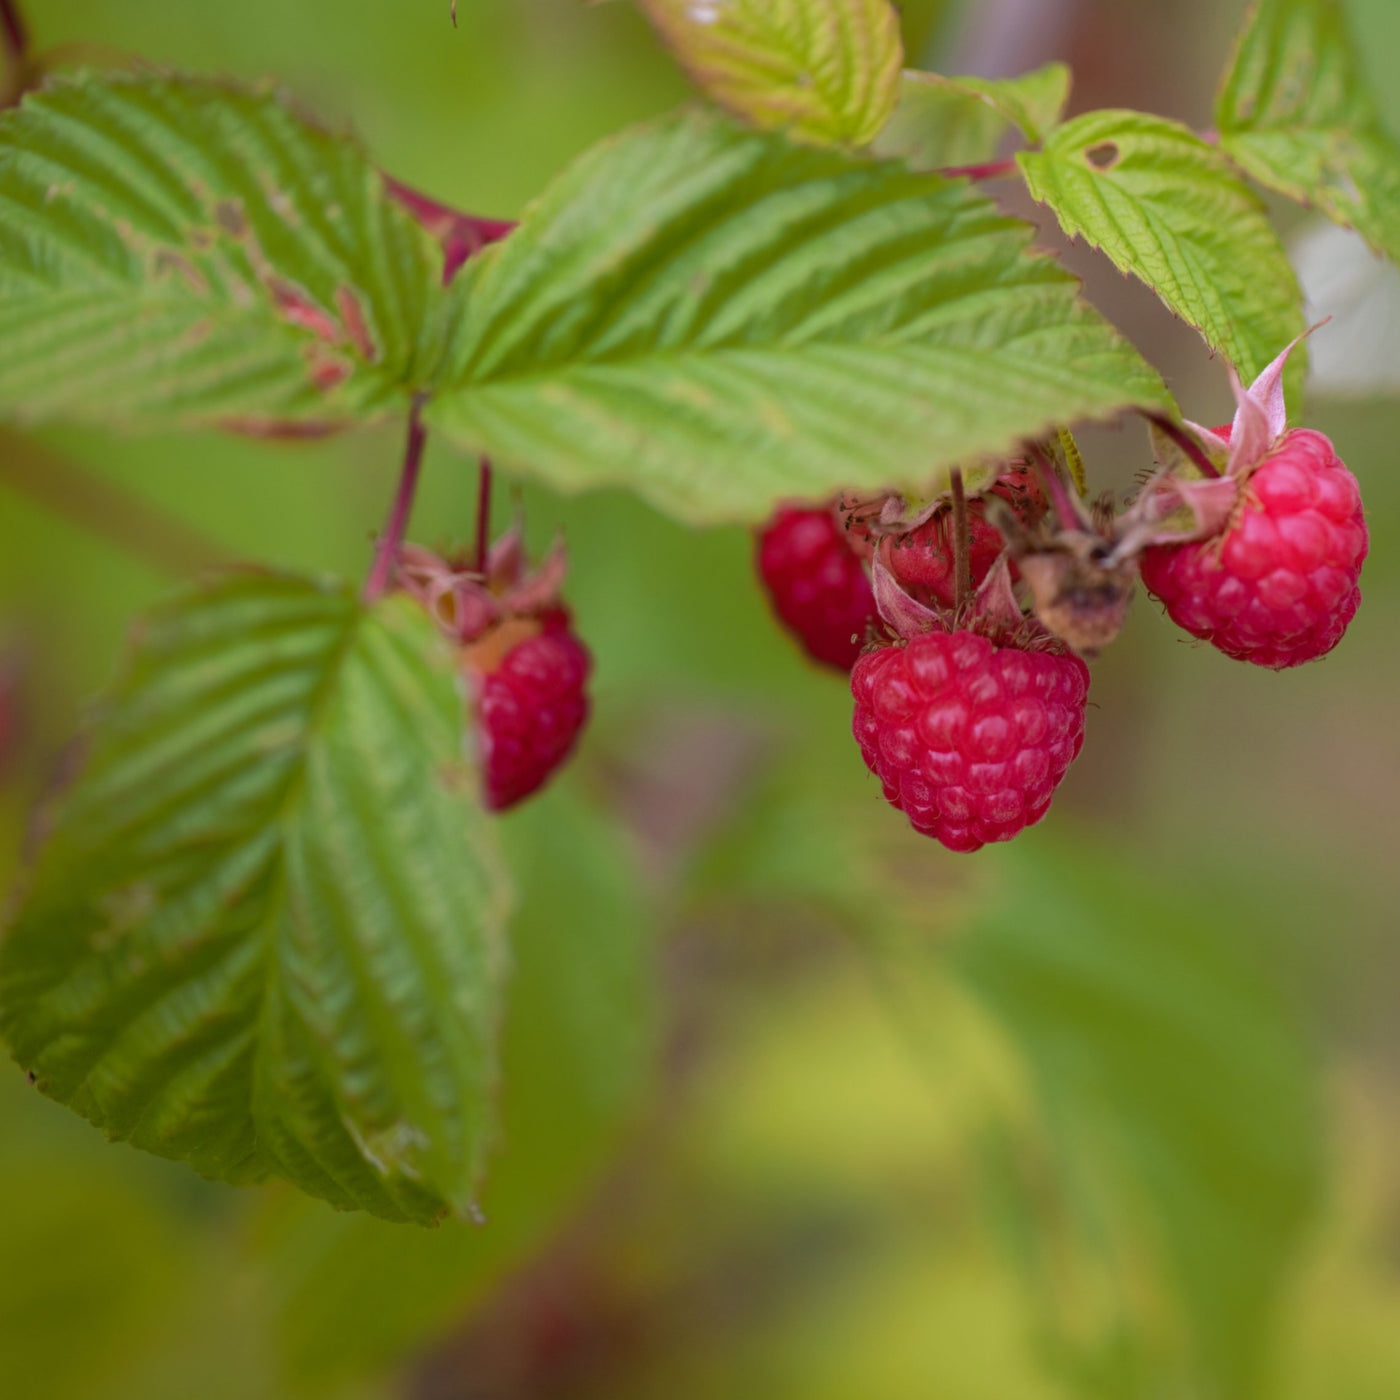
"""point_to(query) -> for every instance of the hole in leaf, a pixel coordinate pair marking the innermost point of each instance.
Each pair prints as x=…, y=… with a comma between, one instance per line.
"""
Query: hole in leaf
x=1104, y=156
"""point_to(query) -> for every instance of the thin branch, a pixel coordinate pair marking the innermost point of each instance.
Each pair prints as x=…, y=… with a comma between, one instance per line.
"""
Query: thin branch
x=962, y=544
x=15, y=34
x=483, y=514
x=387, y=553
x=1185, y=442
x=105, y=510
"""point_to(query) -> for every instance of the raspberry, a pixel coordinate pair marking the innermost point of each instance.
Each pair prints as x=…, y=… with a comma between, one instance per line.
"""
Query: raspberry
x=531, y=704
x=1278, y=586
x=922, y=560
x=816, y=583
x=969, y=736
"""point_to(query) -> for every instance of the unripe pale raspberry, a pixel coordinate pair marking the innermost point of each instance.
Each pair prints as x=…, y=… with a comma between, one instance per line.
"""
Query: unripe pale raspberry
x=1278, y=586
x=531, y=707
x=969, y=736
x=922, y=560
x=817, y=583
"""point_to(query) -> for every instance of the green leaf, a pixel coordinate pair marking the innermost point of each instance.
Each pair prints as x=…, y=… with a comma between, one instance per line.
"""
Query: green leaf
x=942, y=122
x=1296, y=111
x=354, y=1294
x=1178, y=1085
x=179, y=251
x=822, y=70
x=947, y=122
x=262, y=936
x=717, y=318
x=1171, y=210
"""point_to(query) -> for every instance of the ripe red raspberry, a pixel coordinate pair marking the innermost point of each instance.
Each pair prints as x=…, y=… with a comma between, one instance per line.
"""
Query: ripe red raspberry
x=531, y=704
x=525, y=669
x=969, y=736
x=816, y=583
x=1278, y=586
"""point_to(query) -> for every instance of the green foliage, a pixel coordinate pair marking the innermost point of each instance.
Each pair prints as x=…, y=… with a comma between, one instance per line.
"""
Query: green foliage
x=821, y=70
x=1176, y=1082
x=1296, y=112
x=262, y=936
x=717, y=318
x=178, y=251
x=944, y=122
x=353, y=1293
x=1171, y=210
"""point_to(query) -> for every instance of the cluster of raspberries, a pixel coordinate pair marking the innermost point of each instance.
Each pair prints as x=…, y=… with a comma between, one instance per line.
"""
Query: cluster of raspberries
x=970, y=702
x=964, y=624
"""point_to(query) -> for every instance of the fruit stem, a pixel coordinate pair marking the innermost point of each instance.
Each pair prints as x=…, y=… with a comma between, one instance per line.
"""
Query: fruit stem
x=1055, y=488
x=992, y=170
x=962, y=544
x=1186, y=443
x=483, y=514
x=387, y=553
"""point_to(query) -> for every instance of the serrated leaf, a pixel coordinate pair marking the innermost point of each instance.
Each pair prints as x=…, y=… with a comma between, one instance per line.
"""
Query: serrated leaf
x=1295, y=110
x=178, y=251
x=942, y=122
x=355, y=1295
x=262, y=935
x=1172, y=211
x=717, y=318
x=821, y=70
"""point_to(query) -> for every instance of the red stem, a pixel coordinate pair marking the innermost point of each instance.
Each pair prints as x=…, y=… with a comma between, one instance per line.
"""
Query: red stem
x=992, y=170
x=1186, y=443
x=461, y=235
x=483, y=514
x=387, y=553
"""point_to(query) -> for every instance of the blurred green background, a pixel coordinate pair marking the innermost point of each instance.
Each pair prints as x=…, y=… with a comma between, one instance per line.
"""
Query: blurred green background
x=795, y=1104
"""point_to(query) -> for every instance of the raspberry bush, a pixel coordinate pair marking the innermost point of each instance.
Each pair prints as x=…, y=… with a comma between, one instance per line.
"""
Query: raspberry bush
x=794, y=306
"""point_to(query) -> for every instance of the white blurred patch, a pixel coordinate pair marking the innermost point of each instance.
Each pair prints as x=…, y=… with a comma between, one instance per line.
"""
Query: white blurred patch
x=1358, y=354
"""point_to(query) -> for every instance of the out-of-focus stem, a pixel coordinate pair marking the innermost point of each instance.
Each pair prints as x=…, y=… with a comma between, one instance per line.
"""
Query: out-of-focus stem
x=105, y=510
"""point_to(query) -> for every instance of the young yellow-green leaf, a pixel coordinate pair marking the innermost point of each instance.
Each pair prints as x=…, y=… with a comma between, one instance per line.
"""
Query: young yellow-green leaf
x=262, y=936
x=821, y=70
x=182, y=251
x=1171, y=210
x=718, y=318
x=1296, y=112
x=942, y=122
